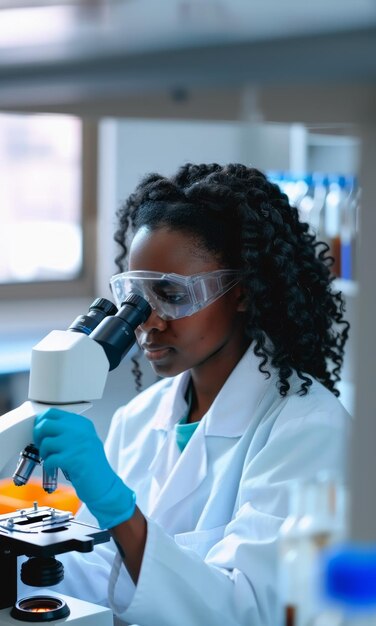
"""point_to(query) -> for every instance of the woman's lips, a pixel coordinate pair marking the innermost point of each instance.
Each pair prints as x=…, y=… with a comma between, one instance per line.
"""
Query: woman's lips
x=154, y=353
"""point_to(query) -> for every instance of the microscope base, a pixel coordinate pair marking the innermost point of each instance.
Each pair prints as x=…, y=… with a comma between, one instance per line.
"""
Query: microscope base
x=81, y=614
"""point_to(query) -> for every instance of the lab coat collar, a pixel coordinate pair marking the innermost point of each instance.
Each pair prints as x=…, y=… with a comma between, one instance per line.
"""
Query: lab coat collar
x=232, y=409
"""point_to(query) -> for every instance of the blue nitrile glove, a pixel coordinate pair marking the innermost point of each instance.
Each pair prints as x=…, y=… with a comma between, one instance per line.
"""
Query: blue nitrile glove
x=69, y=441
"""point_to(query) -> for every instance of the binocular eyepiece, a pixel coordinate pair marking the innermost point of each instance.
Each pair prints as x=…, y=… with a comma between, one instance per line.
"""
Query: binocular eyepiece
x=113, y=329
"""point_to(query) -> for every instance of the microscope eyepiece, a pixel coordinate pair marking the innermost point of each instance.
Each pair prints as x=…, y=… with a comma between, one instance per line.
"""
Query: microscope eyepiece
x=116, y=332
x=98, y=310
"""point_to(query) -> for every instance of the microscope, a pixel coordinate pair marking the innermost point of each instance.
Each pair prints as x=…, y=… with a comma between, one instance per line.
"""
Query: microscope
x=68, y=369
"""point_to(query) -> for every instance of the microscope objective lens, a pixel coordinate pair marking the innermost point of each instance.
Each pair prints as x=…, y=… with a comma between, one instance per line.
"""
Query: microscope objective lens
x=50, y=480
x=29, y=458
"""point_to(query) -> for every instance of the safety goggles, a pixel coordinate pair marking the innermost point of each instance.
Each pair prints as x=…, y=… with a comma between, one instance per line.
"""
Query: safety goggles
x=173, y=296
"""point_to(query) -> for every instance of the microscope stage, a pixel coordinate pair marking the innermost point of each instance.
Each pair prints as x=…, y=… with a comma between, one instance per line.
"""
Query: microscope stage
x=42, y=531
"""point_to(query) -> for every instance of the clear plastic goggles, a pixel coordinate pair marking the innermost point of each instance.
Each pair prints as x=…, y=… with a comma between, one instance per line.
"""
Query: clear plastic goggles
x=173, y=296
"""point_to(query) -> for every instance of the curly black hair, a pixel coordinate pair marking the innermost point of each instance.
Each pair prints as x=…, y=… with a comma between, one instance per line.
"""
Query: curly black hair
x=294, y=315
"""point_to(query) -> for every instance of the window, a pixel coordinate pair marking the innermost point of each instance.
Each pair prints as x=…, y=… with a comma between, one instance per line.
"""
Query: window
x=47, y=205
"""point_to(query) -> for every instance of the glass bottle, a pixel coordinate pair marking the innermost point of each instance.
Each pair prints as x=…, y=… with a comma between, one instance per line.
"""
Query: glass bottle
x=289, y=558
x=332, y=221
x=317, y=521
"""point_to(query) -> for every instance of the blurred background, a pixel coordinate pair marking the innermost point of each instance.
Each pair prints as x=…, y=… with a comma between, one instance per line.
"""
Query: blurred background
x=96, y=93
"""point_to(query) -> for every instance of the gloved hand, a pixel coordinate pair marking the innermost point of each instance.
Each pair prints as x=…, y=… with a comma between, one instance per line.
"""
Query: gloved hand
x=69, y=441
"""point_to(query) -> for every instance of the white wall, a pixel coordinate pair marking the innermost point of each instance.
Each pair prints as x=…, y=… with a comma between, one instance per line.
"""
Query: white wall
x=132, y=148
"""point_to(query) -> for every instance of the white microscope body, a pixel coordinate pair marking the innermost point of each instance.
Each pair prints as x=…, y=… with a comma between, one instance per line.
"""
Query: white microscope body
x=69, y=369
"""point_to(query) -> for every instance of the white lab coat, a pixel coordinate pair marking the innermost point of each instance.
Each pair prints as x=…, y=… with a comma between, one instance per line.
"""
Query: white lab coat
x=213, y=511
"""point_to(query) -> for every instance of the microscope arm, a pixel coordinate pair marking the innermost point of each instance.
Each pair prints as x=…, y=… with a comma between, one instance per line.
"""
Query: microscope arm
x=16, y=427
x=68, y=370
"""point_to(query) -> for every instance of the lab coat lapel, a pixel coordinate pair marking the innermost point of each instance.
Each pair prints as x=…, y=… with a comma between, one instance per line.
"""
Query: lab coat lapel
x=171, y=409
x=178, y=474
x=165, y=460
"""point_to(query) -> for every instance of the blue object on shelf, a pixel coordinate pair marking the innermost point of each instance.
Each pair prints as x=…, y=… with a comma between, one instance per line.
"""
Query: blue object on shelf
x=349, y=576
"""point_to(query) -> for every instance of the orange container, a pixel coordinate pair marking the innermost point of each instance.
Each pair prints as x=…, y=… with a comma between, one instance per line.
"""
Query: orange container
x=13, y=497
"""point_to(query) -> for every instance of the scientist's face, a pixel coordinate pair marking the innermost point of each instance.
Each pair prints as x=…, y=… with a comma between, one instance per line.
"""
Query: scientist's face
x=212, y=336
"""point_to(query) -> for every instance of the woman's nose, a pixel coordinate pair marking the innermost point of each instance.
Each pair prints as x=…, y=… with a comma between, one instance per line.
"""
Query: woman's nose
x=153, y=322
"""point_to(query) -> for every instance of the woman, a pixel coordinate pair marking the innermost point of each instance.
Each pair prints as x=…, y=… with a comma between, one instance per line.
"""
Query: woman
x=247, y=336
